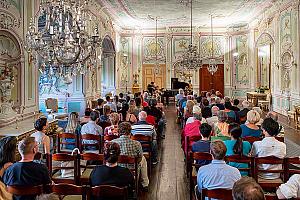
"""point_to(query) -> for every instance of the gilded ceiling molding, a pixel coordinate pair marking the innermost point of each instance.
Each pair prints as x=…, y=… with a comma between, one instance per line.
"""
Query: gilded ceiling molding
x=8, y=21
x=5, y=4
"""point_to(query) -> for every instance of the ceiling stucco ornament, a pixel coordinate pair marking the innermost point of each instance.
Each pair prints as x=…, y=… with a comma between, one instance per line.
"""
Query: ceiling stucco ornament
x=8, y=21
x=5, y=4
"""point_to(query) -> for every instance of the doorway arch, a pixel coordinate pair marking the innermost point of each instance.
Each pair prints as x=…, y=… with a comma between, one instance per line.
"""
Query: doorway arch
x=108, y=77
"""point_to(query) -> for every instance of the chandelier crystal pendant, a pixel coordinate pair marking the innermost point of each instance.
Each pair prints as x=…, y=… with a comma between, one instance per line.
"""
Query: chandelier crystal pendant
x=63, y=46
x=191, y=60
x=212, y=62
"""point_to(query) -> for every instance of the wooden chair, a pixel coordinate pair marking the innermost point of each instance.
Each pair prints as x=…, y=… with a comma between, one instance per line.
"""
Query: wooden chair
x=251, y=139
x=97, y=143
x=132, y=164
x=271, y=160
x=104, y=124
x=271, y=197
x=108, y=192
x=188, y=148
x=67, y=159
x=110, y=137
x=192, y=166
x=289, y=169
x=88, y=168
x=280, y=139
x=242, y=159
x=26, y=190
x=65, y=189
x=225, y=194
x=61, y=142
x=146, y=142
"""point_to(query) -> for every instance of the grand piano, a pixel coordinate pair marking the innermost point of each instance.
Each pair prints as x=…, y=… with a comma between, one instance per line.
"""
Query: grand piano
x=175, y=86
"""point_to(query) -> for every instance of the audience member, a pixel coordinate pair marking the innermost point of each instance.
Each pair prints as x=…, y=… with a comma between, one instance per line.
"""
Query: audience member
x=125, y=116
x=100, y=105
x=214, y=118
x=113, y=128
x=269, y=146
x=106, y=113
x=250, y=128
x=290, y=189
x=86, y=118
x=117, y=102
x=260, y=112
x=26, y=172
x=217, y=174
x=219, y=104
x=235, y=107
x=180, y=95
x=144, y=128
x=8, y=147
x=230, y=113
x=92, y=128
x=40, y=136
x=206, y=110
x=221, y=127
x=243, y=113
x=111, y=173
x=72, y=127
x=113, y=106
x=132, y=148
x=203, y=145
x=236, y=146
x=247, y=189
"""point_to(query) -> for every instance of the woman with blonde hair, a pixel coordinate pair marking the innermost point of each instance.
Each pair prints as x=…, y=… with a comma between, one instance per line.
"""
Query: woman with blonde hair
x=113, y=128
x=188, y=109
x=74, y=127
x=250, y=128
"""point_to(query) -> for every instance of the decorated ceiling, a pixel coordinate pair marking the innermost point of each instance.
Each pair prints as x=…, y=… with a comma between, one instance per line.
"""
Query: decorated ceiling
x=140, y=13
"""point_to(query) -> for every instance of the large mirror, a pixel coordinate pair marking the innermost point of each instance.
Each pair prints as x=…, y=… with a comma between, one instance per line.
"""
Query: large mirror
x=264, y=47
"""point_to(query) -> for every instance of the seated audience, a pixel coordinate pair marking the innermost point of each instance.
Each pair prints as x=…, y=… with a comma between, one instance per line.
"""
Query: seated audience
x=290, y=189
x=235, y=107
x=197, y=115
x=112, y=105
x=157, y=113
x=203, y=145
x=180, y=95
x=188, y=109
x=113, y=128
x=250, y=128
x=221, y=127
x=132, y=148
x=219, y=104
x=117, y=103
x=247, y=189
x=40, y=136
x=125, y=116
x=236, y=146
x=206, y=110
x=86, y=118
x=260, y=112
x=274, y=116
x=230, y=113
x=217, y=174
x=100, y=105
x=214, y=118
x=8, y=147
x=144, y=128
x=26, y=172
x=269, y=146
x=72, y=127
x=106, y=112
x=111, y=173
x=92, y=128
x=243, y=113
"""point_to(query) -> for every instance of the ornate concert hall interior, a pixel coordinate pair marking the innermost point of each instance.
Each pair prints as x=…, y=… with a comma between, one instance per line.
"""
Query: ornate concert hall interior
x=148, y=80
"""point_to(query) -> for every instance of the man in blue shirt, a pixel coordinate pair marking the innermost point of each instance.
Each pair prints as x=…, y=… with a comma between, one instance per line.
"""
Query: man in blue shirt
x=218, y=174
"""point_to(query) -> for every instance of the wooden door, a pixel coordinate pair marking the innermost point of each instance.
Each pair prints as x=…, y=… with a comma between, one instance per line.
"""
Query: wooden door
x=208, y=81
x=149, y=76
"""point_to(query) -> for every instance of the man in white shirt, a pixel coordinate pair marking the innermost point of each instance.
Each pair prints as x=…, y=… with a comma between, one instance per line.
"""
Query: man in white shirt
x=214, y=119
x=112, y=105
x=269, y=146
x=91, y=127
x=291, y=189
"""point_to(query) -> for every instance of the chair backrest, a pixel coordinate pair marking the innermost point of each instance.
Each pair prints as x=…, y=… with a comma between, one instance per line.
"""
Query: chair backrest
x=91, y=137
x=52, y=104
x=145, y=140
x=61, y=140
x=66, y=189
x=108, y=192
x=110, y=137
x=251, y=139
x=127, y=160
x=197, y=156
x=91, y=157
x=188, y=140
x=104, y=124
x=25, y=190
x=271, y=197
x=225, y=194
x=291, y=170
x=280, y=139
x=68, y=162
x=242, y=159
x=272, y=160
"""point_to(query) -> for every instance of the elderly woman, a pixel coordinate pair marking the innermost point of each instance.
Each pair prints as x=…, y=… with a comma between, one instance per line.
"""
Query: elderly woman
x=113, y=128
x=250, y=128
x=188, y=109
x=221, y=127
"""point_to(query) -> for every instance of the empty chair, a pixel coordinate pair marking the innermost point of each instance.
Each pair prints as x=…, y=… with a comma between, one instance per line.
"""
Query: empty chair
x=62, y=142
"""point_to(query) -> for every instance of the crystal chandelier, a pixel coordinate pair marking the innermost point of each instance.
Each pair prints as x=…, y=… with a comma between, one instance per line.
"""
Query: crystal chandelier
x=63, y=46
x=212, y=62
x=191, y=60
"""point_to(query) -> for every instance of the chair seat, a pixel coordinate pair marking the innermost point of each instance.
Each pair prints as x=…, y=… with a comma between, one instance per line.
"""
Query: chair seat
x=272, y=181
x=91, y=151
x=66, y=150
x=57, y=175
x=86, y=173
x=72, y=197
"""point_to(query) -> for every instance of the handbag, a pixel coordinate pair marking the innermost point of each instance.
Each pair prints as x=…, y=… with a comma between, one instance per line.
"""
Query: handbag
x=66, y=173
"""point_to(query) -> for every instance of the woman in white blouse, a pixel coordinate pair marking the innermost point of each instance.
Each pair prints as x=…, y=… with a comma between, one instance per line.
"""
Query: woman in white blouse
x=40, y=136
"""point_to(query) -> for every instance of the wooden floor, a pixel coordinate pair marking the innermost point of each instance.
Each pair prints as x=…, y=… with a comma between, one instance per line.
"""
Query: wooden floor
x=168, y=181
